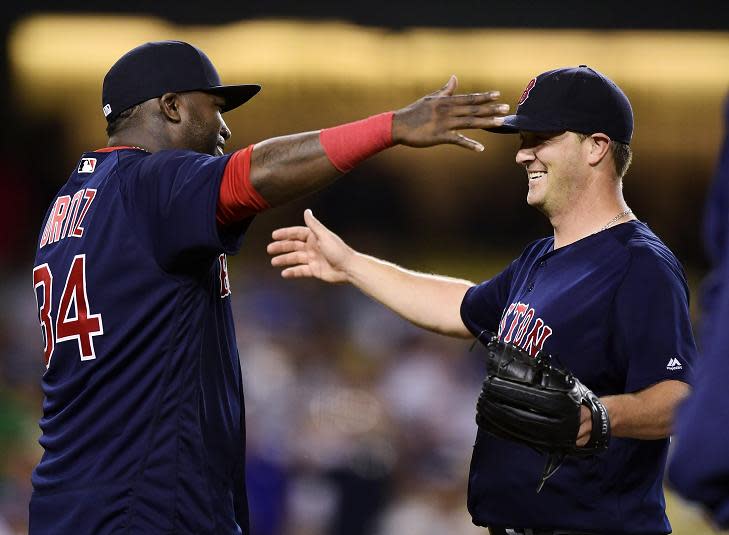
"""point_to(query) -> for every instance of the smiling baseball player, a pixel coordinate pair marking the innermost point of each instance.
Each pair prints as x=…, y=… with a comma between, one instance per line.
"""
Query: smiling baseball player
x=603, y=295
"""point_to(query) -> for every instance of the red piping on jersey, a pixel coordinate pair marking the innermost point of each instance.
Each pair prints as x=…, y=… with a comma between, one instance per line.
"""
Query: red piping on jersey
x=238, y=198
x=109, y=149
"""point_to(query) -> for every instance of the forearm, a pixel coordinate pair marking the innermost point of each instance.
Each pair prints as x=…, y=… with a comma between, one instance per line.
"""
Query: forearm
x=429, y=301
x=288, y=167
x=647, y=414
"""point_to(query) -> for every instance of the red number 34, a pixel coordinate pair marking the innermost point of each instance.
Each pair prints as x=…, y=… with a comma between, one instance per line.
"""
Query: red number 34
x=74, y=320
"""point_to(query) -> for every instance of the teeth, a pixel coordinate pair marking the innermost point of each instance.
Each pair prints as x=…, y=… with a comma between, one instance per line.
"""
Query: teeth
x=535, y=174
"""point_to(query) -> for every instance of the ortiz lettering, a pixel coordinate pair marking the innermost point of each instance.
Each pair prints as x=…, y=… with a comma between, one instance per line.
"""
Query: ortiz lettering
x=66, y=216
x=520, y=327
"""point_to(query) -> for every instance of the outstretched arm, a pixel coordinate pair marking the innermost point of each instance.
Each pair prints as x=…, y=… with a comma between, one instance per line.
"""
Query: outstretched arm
x=429, y=301
x=289, y=167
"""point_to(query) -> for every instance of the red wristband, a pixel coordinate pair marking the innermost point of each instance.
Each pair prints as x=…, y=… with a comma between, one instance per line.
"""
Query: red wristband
x=349, y=144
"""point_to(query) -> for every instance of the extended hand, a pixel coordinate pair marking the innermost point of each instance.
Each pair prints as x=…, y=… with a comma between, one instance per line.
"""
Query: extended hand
x=310, y=251
x=434, y=119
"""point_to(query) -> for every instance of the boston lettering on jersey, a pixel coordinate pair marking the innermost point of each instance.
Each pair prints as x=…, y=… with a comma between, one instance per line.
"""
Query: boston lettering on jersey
x=524, y=329
x=592, y=314
x=67, y=215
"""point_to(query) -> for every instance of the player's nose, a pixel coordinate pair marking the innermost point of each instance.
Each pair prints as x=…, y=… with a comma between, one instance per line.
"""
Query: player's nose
x=524, y=156
x=225, y=131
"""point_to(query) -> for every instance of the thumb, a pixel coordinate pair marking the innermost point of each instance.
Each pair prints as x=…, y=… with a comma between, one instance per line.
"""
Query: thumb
x=450, y=87
x=313, y=223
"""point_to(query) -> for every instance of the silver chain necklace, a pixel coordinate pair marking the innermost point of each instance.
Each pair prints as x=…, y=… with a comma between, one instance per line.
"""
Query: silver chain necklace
x=616, y=218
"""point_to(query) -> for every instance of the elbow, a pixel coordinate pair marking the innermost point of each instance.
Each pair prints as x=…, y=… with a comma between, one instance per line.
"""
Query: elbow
x=446, y=328
x=261, y=181
x=457, y=329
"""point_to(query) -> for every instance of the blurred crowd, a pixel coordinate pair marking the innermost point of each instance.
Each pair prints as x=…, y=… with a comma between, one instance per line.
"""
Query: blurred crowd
x=358, y=423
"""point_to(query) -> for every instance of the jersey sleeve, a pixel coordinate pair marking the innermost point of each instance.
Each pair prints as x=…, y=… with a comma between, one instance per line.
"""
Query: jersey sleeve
x=172, y=197
x=484, y=303
x=653, y=337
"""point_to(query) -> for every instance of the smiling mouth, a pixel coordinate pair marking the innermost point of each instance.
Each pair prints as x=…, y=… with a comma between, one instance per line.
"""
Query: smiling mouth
x=534, y=175
x=220, y=150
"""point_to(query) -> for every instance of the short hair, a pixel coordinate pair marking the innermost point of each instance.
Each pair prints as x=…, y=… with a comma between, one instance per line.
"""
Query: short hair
x=121, y=121
x=622, y=154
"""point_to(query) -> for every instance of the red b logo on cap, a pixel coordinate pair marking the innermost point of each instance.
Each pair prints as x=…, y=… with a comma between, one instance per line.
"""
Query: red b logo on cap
x=525, y=94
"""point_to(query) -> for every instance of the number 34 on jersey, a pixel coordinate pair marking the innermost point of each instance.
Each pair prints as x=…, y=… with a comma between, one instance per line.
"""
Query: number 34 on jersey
x=74, y=319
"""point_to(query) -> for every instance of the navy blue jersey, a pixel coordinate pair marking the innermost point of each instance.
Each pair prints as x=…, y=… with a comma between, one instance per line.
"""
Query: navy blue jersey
x=613, y=309
x=143, y=420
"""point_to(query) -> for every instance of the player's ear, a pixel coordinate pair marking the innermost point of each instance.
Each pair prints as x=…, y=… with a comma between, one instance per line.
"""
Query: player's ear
x=169, y=106
x=598, y=147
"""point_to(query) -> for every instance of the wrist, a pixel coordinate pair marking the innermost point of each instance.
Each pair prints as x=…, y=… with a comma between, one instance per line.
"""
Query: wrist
x=349, y=144
x=352, y=266
x=611, y=406
x=397, y=128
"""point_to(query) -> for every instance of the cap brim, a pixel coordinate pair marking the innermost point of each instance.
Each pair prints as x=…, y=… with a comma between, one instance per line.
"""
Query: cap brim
x=513, y=124
x=235, y=95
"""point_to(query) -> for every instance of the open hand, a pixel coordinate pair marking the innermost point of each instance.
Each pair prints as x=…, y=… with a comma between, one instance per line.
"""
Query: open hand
x=310, y=251
x=436, y=118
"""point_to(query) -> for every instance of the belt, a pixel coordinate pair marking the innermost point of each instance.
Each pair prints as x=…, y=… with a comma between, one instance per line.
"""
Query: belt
x=495, y=530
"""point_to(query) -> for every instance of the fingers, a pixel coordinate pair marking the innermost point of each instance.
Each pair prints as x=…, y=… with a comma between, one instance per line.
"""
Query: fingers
x=466, y=142
x=480, y=110
x=290, y=259
x=583, y=434
x=300, y=233
x=448, y=89
x=470, y=99
x=465, y=123
x=316, y=226
x=473, y=111
x=297, y=272
x=285, y=246
x=291, y=233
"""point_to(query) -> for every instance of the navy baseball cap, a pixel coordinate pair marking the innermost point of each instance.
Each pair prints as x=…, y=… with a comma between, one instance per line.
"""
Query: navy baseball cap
x=579, y=99
x=153, y=69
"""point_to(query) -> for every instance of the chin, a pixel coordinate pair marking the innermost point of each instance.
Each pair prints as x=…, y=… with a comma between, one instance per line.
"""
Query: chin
x=534, y=201
x=538, y=204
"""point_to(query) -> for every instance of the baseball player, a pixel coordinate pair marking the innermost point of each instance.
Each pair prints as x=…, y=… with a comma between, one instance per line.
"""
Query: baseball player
x=603, y=294
x=700, y=465
x=143, y=418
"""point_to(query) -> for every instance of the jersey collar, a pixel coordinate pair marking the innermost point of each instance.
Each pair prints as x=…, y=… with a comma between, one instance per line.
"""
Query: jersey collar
x=120, y=147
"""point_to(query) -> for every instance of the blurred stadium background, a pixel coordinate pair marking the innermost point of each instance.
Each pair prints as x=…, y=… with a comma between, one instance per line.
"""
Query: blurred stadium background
x=358, y=424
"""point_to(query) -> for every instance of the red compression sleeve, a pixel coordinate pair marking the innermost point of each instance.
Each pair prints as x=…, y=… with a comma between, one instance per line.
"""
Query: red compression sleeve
x=238, y=198
x=349, y=144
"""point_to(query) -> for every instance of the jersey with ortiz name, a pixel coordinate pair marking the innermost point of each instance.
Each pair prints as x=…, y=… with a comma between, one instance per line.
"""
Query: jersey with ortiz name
x=143, y=420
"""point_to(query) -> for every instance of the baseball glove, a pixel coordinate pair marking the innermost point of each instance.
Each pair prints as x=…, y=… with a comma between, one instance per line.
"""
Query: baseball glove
x=527, y=400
